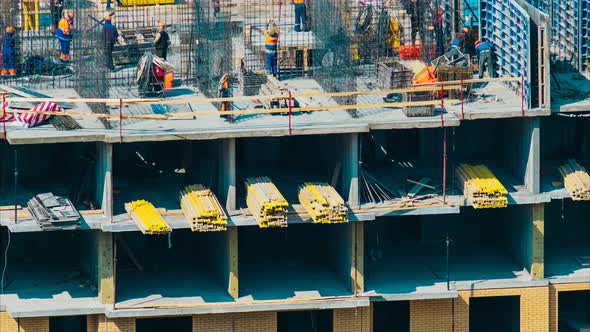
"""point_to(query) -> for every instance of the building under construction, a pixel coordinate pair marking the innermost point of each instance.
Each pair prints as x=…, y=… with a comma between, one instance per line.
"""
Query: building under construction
x=385, y=179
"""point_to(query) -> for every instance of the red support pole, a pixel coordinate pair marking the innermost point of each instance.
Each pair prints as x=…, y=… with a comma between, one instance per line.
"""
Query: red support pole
x=462, y=102
x=290, y=111
x=522, y=94
x=4, y=115
x=120, y=120
x=442, y=104
x=444, y=165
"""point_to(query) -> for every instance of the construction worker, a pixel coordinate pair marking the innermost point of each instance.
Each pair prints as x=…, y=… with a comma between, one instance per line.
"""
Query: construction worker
x=109, y=37
x=57, y=9
x=223, y=92
x=216, y=7
x=484, y=54
x=162, y=41
x=271, y=37
x=459, y=42
x=64, y=35
x=300, y=15
x=8, y=54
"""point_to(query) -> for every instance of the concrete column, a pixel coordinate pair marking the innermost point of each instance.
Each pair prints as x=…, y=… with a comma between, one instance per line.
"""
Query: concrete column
x=537, y=266
x=106, y=280
x=350, y=169
x=227, y=174
x=357, y=267
x=532, y=155
x=104, y=179
x=232, y=288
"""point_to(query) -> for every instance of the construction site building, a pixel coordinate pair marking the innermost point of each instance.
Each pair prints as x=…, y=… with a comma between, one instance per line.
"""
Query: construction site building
x=377, y=183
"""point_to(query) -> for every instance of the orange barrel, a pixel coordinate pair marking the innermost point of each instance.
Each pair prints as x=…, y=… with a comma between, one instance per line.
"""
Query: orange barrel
x=169, y=79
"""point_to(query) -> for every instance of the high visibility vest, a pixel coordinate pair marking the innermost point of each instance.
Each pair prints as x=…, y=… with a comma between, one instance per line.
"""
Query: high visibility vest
x=64, y=26
x=299, y=2
x=271, y=42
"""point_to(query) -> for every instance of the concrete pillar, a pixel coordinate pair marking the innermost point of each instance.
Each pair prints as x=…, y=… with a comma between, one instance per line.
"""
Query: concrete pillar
x=232, y=288
x=350, y=169
x=357, y=267
x=106, y=280
x=537, y=264
x=532, y=155
x=353, y=320
x=227, y=174
x=104, y=179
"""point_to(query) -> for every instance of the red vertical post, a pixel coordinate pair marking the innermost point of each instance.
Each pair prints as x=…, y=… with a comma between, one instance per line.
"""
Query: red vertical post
x=4, y=115
x=290, y=111
x=444, y=165
x=462, y=102
x=442, y=104
x=522, y=94
x=120, y=120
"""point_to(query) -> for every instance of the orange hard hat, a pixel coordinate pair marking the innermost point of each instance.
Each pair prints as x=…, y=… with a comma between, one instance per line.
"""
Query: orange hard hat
x=9, y=29
x=161, y=24
x=477, y=42
x=107, y=18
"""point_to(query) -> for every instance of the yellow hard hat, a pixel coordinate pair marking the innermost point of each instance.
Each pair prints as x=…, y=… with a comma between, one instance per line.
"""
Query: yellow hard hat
x=161, y=24
x=466, y=29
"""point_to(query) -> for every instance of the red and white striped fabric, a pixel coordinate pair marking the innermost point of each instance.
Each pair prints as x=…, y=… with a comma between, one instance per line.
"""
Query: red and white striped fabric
x=29, y=120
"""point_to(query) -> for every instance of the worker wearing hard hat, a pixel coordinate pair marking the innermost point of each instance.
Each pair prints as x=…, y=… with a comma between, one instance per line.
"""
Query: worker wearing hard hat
x=223, y=92
x=300, y=15
x=64, y=35
x=162, y=41
x=271, y=37
x=484, y=54
x=8, y=53
x=459, y=42
x=109, y=38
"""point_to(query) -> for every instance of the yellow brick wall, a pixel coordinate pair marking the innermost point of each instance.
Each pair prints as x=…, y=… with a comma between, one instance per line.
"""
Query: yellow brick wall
x=238, y=322
x=436, y=315
x=116, y=325
x=554, y=291
x=9, y=324
x=353, y=320
x=92, y=323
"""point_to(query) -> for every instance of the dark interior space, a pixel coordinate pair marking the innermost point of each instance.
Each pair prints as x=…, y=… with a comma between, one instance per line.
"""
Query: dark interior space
x=176, y=324
x=494, y=314
x=391, y=316
x=158, y=171
x=67, y=170
x=289, y=162
x=67, y=324
x=42, y=265
x=574, y=311
x=312, y=260
x=305, y=321
x=408, y=254
x=567, y=239
x=184, y=264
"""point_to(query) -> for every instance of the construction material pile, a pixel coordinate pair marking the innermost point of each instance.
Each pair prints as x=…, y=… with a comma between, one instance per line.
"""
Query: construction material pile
x=202, y=209
x=266, y=203
x=323, y=203
x=249, y=82
x=273, y=87
x=481, y=187
x=147, y=218
x=53, y=212
x=393, y=75
x=576, y=180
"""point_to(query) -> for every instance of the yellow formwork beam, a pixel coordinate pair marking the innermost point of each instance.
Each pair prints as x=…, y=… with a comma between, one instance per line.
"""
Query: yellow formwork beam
x=202, y=209
x=147, y=218
x=323, y=203
x=266, y=203
x=576, y=180
x=481, y=187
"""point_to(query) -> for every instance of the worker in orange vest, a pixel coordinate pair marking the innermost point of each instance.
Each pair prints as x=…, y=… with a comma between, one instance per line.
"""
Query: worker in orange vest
x=271, y=37
x=8, y=54
x=64, y=35
x=300, y=15
x=223, y=92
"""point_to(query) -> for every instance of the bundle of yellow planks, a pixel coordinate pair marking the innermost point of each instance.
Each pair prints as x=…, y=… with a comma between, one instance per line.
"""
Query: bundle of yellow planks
x=202, y=209
x=323, y=203
x=481, y=187
x=266, y=203
x=576, y=180
x=147, y=218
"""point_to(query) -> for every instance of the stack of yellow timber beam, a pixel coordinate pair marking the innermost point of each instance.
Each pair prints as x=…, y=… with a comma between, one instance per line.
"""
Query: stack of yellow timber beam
x=266, y=203
x=323, y=203
x=481, y=187
x=576, y=180
x=147, y=218
x=202, y=209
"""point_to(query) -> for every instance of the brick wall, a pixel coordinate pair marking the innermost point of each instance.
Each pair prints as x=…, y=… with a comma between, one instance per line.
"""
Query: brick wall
x=115, y=325
x=353, y=320
x=9, y=324
x=92, y=323
x=433, y=315
x=554, y=291
x=238, y=322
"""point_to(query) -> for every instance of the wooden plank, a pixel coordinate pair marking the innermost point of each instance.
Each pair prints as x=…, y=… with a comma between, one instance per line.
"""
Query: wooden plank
x=416, y=189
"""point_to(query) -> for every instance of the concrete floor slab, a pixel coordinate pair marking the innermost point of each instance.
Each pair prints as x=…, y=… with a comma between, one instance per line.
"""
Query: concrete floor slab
x=563, y=264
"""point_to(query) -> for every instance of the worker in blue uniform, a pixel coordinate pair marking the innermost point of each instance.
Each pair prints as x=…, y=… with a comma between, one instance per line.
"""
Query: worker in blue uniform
x=109, y=38
x=300, y=15
x=484, y=54
x=8, y=53
x=271, y=37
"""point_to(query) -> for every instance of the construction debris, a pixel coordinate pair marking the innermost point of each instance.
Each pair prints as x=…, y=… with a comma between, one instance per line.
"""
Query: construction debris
x=323, y=203
x=273, y=87
x=53, y=212
x=371, y=190
x=393, y=75
x=481, y=187
x=266, y=203
x=249, y=82
x=576, y=180
x=147, y=218
x=202, y=209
